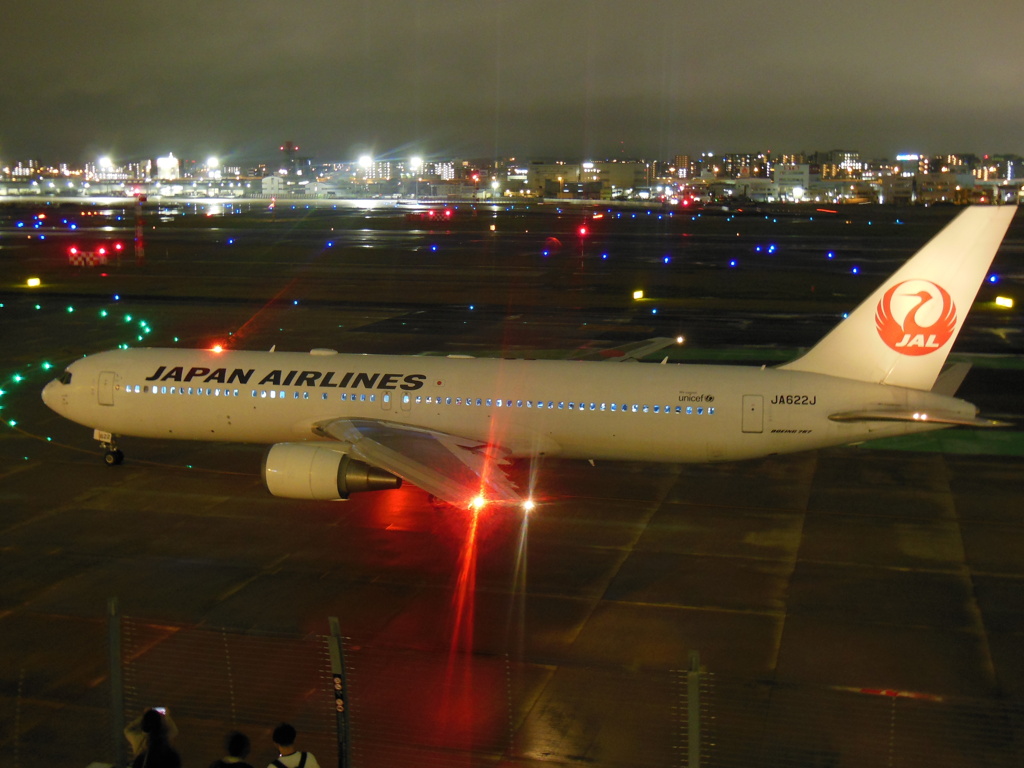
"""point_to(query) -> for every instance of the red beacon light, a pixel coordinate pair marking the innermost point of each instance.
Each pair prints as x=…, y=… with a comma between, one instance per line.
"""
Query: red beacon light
x=118, y=246
x=582, y=231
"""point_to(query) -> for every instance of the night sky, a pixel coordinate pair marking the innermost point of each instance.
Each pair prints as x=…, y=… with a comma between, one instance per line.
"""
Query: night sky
x=449, y=78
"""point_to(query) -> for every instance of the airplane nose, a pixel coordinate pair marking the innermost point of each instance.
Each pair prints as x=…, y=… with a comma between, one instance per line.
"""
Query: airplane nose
x=49, y=397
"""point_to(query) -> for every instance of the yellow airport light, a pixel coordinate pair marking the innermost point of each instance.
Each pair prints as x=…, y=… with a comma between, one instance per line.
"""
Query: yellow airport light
x=1004, y=301
x=637, y=295
x=33, y=282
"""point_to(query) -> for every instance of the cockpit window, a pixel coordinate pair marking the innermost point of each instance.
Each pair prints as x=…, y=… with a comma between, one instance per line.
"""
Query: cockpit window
x=65, y=378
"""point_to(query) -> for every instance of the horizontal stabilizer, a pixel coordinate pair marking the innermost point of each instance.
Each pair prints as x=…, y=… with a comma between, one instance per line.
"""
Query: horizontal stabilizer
x=950, y=379
x=918, y=417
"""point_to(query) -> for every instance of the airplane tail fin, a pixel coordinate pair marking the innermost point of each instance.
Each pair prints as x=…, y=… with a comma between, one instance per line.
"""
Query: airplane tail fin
x=902, y=333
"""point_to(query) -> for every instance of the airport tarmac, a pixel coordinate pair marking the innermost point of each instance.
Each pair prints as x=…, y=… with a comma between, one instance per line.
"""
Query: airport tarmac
x=849, y=606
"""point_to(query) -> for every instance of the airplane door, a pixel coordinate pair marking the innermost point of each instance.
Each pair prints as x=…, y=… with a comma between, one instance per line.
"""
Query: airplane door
x=105, y=389
x=753, y=413
x=406, y=404
x=385, y=401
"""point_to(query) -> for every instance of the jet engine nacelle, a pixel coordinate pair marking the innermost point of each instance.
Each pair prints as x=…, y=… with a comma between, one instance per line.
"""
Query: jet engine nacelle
x=318, y=471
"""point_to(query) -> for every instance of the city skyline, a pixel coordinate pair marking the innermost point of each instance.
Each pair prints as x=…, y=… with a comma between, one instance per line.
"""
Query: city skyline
x=593, y=78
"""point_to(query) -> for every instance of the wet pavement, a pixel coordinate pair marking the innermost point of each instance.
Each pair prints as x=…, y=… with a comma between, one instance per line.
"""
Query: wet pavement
x=807, y=583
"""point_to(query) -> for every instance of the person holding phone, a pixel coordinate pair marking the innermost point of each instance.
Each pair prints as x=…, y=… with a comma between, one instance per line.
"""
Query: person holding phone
x=151, y=735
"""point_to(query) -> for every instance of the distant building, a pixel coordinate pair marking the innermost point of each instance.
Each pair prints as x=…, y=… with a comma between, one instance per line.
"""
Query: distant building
x=168, y=168
x=927, y=189
x=272, y=186
x=793, y=181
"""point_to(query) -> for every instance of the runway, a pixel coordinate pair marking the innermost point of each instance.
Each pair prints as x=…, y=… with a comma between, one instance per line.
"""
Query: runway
x=849, y=606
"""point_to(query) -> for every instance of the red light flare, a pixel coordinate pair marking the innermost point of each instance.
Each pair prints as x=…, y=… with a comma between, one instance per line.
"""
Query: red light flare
x=464, y=599
x=458, y=691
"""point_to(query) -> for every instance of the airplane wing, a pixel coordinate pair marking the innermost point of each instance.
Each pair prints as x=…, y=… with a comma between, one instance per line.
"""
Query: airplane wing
x=452, y=468
x=631, y=351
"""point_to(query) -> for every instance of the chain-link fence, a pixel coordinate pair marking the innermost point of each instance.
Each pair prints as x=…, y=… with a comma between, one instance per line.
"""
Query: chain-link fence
x=213, y=681
x=423, y=707
x=772, y=725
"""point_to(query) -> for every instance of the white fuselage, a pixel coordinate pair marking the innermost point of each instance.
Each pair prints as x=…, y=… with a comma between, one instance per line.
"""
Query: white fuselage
x=591, y=410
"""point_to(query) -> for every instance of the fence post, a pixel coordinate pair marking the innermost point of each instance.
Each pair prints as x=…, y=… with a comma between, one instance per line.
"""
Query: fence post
x=693, y=711
x=340, y=692
x=117, y=740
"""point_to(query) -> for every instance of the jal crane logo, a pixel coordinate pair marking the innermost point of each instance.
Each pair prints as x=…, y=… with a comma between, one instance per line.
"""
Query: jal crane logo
x=916, y=317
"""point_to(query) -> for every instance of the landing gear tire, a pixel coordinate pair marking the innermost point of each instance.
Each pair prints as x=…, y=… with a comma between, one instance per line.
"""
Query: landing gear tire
x=113, y=458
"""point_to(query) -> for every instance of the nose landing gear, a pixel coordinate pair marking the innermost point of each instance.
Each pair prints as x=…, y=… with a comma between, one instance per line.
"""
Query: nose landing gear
x=112, y=455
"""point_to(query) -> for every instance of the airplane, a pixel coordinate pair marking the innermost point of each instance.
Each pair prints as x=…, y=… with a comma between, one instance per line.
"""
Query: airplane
x=338, y=424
